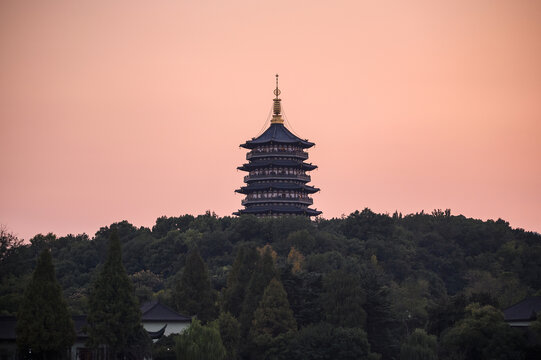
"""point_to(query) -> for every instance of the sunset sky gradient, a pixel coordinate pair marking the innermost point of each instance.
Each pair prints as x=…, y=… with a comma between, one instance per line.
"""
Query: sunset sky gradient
x=113, y=110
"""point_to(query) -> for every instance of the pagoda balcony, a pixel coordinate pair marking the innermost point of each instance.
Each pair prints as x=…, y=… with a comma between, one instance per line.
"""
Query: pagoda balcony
x=280, y=199
x=274, y=176
x=258, y=154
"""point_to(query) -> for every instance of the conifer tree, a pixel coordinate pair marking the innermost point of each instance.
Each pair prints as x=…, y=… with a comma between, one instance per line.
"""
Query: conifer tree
x=343, y=299
x=238, y=279
x=230, y=333
x=193, y=294
x=114, y=317
x=273, y=316
x=44, y=324
x=263, y=273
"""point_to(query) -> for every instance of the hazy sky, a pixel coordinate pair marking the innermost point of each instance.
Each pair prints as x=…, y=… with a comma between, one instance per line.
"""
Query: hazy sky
x=113, y=110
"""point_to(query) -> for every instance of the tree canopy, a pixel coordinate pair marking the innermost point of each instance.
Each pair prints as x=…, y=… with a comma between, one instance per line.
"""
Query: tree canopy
x=114, y=317
x=483, y=334
x=193, y=294
x=400, y=272
x=44, y=325
x=200, y=342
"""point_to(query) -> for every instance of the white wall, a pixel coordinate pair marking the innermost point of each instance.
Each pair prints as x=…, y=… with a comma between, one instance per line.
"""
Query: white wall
x=172, y=328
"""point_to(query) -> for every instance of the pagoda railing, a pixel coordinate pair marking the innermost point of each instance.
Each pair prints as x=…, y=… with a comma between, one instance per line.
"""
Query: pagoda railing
x=275, y=175
x=255, y=153
x=281, y=198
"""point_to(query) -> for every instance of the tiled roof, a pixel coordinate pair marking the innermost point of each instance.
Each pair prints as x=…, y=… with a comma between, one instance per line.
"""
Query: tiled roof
x=156, y=311
x=278, y=209
x=523, y=310
x=277, y=133
x=7, y=327
x=151, y=311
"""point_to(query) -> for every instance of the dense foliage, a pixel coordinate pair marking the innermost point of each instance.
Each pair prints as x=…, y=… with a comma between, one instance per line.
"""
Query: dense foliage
x=114, y=316
x=193, y=294
x=44, y=327
x=200, y=342
x=366, y=276
x=419, y=346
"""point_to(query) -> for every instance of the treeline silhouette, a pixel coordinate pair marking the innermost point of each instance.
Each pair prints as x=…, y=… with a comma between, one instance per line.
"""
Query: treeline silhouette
x=403, y=282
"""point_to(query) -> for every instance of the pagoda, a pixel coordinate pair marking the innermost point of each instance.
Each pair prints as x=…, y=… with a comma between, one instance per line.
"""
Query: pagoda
x=277, y=179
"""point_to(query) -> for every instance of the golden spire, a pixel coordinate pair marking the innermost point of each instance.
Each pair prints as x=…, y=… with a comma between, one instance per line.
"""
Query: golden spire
x=277, y=109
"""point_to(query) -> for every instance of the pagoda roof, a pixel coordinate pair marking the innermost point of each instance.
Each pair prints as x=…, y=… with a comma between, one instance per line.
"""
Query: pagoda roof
x=278, y=209
x=276, y=185
x=274, y=162
x=277, y=134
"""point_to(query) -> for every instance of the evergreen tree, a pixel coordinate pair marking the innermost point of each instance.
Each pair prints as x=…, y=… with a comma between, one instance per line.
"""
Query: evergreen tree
x=342, y=300
x=114, y=317
x=230, y=333
x=303, y=290
x=44, y=324
x=381, y=326
x=419, y=346
x=263, y=273
x=272, y=318
x=200, y=343
x=193, y=294
x=238, y=279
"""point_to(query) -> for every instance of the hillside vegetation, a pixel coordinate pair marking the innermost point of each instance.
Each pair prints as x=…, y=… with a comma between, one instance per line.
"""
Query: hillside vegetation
x=384, y=275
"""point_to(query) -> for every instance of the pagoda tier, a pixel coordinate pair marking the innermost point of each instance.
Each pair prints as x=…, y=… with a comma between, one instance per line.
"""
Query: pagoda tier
x=270, y=210
x=277, y=137
x=277, y=172
x=276, y=163
x=274, y=186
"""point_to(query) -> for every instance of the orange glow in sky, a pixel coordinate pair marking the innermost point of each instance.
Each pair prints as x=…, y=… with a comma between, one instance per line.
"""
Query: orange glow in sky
x=113, y=110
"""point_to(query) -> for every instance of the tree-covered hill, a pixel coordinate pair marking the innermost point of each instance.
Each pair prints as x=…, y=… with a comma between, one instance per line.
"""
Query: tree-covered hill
x=400, y=272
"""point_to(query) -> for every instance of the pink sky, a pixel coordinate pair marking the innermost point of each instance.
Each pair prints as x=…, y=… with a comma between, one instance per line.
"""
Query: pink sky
x=113, y=110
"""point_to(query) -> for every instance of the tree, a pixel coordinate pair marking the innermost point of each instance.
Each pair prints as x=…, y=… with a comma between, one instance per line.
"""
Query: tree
x=302, y=240
x=263, y=273
x=44, y=324
x=296, y=260
x=193, y=294
x=419, y=346
x=8, y=242
x=238, y=279
x=230, y=333
x=323, y=341
x=342, y=300
x=381, y=326
x=146, y=283
x=114, y=317
x=303, y=293
x=483, y=334
x=200, y=343
x=164, y=348
x=410, y=301
x=272, y=318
